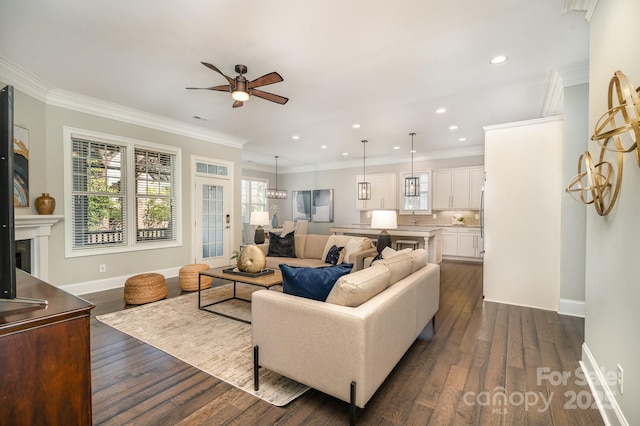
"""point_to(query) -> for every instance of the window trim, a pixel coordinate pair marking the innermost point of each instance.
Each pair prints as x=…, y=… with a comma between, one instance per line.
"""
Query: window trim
x=257, y=179
x=131, y=144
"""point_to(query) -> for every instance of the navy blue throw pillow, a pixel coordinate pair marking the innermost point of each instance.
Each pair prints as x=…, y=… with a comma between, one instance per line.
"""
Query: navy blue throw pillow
x=333, y=255
x=281, y=246
x=312, y=283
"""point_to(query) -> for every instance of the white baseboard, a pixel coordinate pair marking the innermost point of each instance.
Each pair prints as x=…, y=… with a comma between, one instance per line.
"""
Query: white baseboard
x=575, y=308
x=110, y=283
x=605, y=399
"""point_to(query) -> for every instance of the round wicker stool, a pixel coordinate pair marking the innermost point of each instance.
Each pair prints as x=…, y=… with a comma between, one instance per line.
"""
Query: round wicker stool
x=144, y=288
x=189, y=277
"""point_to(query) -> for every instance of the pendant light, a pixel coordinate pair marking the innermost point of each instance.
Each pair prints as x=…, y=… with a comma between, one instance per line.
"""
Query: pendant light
x=412, y=183
x=275, y=193
x=364, y=187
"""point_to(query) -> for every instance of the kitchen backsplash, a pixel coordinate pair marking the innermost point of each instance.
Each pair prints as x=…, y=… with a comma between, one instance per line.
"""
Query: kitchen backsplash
x=443, y=218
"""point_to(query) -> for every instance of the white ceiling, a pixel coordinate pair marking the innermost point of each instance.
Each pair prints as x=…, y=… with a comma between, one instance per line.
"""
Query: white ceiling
x=386, y=65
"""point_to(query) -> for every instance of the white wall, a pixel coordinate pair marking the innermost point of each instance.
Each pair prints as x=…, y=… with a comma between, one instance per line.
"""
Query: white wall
x=522, y=213
x=612, y=283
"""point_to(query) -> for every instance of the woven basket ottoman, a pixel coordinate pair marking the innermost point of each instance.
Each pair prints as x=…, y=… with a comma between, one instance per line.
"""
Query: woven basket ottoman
x=189, y=277
x=144, y=288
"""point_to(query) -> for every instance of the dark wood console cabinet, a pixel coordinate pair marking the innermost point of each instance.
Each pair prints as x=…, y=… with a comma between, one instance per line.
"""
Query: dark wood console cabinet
x=45, y=358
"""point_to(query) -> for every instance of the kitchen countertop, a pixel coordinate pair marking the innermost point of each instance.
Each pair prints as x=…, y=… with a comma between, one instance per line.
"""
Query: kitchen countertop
x=424, y=231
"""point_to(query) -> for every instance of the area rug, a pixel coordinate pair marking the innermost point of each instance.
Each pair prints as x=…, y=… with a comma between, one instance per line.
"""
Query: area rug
x=216, y=345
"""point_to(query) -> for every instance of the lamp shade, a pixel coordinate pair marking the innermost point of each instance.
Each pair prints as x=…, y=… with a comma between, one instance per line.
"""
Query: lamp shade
x=259, y=218
x=384, y=219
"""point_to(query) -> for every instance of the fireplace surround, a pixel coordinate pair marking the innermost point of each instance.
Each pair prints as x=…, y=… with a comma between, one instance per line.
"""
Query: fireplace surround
x=36, y=229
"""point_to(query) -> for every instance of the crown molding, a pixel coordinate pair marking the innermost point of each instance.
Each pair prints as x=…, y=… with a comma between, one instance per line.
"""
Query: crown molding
x=523, y=123
x=438, y=155
x=555, y=82
x=580, y=5
x=40, y=90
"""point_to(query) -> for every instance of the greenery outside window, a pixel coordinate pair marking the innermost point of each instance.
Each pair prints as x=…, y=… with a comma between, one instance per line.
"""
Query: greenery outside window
x=253, y=196
x=122, y=194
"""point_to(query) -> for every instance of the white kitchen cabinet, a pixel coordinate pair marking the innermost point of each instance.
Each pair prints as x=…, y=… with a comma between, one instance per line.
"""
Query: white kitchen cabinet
x=449, y=242
x=383, y=192
x=457, y=189
x=461, y=243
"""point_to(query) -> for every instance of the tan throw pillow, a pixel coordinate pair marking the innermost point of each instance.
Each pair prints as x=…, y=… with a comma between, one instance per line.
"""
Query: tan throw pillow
x=355, y=245
x=356, y=288
x=388, y=252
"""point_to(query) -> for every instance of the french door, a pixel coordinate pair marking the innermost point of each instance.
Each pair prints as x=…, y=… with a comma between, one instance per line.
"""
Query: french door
x=212, y=221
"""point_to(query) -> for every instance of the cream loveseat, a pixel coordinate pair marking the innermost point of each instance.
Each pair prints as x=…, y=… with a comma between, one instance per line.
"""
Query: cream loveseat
x=348, y=345
x=311, y=250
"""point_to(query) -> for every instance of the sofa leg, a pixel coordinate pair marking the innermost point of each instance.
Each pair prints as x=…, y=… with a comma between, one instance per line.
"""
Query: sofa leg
x=352, y=405
x=256, y=369
x=433, y=324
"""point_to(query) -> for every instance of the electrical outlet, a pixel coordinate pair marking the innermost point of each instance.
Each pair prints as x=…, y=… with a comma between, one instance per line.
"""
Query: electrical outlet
x=620, y=379
x=102, y=268
x=477, y=216
x=435, y=216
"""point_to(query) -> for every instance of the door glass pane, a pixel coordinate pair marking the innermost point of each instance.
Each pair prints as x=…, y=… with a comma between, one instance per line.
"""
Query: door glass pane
x=212, y=221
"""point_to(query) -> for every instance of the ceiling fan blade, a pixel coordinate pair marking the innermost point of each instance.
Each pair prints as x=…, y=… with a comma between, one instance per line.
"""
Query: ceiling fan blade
x=270, y=78
x=238, y=104
x=213, y=67
x=269, y=96
x=223, y=88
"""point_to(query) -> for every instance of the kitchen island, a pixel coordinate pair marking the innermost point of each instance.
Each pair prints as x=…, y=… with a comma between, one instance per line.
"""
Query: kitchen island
x=428, y=237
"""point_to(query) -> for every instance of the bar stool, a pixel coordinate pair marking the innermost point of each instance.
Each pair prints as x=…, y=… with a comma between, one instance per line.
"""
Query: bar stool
x=401, y=243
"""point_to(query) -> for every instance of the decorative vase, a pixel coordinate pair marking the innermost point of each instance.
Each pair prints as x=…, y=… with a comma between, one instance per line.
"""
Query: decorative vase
x=45, y=204
x=274, y=221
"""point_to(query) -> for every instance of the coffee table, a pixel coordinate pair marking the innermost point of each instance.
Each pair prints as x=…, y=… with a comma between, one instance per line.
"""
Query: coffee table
x=264, y=281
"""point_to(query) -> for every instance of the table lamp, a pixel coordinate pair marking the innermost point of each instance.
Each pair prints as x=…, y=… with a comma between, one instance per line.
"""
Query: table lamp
x=258, y=219
x=384, y=219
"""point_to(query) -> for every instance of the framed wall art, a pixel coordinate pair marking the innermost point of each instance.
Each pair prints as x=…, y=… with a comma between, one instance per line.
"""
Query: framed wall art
x=322, y=205
x=21, y=167
x=301, y=208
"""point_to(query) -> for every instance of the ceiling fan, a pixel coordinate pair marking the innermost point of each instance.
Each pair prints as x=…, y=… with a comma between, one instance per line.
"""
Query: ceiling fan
x=241, y=89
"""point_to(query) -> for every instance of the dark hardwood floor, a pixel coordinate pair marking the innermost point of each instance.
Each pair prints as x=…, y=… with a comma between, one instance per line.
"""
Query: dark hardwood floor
x=487, y=363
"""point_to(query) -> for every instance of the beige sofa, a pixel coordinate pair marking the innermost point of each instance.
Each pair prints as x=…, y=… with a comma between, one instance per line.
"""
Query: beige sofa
x=311, y=250
x=347, y=351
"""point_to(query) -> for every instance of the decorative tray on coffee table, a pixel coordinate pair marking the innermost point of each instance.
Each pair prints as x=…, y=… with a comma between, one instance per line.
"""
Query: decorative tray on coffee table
x=236, y=271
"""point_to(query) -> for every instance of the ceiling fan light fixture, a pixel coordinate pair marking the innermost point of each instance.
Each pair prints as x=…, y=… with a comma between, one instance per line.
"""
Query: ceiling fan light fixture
x=240, y=95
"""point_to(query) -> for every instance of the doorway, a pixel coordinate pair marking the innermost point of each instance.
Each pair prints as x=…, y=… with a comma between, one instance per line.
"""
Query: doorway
x=212, y=241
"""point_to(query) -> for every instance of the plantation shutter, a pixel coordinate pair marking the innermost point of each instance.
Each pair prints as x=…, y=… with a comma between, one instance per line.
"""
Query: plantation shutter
x=99, y=208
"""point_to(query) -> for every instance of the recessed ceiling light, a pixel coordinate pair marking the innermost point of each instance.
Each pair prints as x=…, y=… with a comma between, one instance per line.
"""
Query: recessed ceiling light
x=454, y=127
x=356, y=126
x=413, y=151
x=345, y=153
x=396, y=147
x=323, y=146
x=441, y=110
x=296, y=137
x=498, y=59
x=462, y=139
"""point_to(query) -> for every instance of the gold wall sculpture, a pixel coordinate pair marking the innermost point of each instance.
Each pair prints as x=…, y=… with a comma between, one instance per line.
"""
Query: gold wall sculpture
x=593, y=183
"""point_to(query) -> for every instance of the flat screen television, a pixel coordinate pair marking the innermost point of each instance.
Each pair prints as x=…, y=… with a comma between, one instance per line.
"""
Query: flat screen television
x=7, y=223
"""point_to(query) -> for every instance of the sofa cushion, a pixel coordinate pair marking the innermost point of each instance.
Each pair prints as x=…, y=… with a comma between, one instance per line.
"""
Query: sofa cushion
x=333, y=257
x=355, y=289
x=281, y=246
x=312, y=283
x=388, y=252
x=314, y=246
x=419, y=259
x=399, y=266
x=300, y=240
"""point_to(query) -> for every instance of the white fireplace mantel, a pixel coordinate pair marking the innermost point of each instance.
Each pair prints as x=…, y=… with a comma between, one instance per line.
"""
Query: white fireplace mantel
x=37, y=228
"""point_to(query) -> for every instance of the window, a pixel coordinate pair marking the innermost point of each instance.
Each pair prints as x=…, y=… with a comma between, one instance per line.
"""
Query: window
x=417, y=205
x=253, y=197
x=122, y=194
